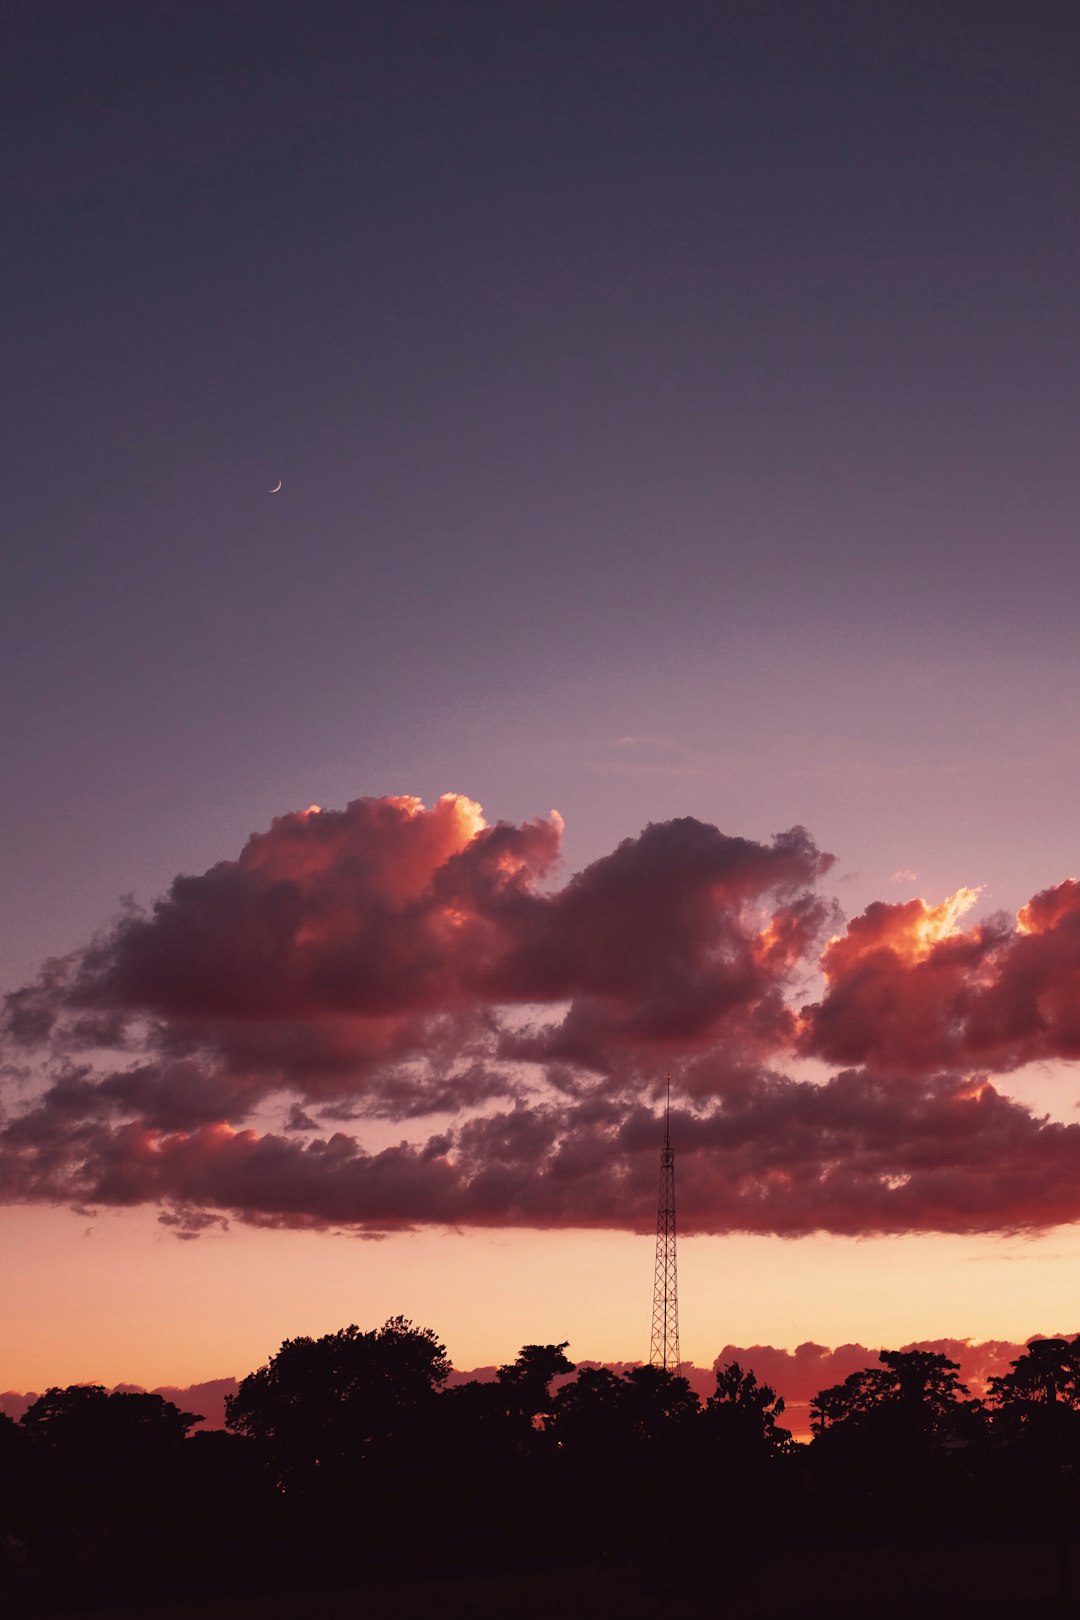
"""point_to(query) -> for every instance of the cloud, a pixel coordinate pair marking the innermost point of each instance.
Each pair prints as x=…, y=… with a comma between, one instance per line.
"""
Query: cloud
x=13, y=1402
x=339, y=944
x=207, y=1398
x=796, y=1374
x=910, y=991
x=189, y=1223
x=239, y=1051
x=771, y=1155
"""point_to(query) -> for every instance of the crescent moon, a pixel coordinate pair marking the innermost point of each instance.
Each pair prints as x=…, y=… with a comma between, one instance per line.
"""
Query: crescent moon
x=276, y=487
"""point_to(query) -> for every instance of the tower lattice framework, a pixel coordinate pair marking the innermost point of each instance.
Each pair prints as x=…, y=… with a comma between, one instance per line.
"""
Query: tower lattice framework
x=664, y=1351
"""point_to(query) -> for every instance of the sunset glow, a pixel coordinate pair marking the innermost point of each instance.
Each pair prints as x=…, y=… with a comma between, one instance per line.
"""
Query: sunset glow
x=673, y=416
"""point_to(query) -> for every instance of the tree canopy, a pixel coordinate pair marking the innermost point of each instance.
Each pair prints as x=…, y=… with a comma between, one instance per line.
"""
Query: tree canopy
x=88, y=1418
x=340, y=1445
x=345, y=1397
x=743, y=1413
x=913, y=1391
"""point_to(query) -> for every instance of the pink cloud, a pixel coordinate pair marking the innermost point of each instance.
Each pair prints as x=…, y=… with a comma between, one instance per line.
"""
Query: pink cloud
x=852, y=1155
x=911, y=991
x=207, y=1398
x=341, y=943
x=798, y=1375
x=393, y=962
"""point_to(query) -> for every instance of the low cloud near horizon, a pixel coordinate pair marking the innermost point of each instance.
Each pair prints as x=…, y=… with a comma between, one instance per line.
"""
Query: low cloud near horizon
x=239, y=1051
x=798, y=1375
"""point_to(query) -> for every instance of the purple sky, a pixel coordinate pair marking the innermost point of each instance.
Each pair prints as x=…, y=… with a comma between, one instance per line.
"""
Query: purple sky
x=676, y=411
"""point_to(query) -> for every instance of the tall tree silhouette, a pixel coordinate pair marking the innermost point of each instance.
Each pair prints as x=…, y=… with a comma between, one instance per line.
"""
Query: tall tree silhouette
x=506, y=1416
x=100, y=1473
x=742, y=1414
x=1044, y=1378
x=85, y=1422
x=913, y=1392
x=644, y=1404
x=321, y=1405
x=590, y=1411
x=525, y=1383
x=1036, y=1413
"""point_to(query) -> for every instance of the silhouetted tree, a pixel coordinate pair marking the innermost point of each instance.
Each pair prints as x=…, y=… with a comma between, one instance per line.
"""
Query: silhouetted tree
x=656, y=1403
x=917, y=1392
x=505, y=1416
x=9, y=1433
x=742, y=1414
x=1037, y=1416
x=107, y=1495
x=890, y=1446
x=526, y=1381
x=101, y=1475
x=525, y=1385
x=1045, y=1376
x=590, y=1410
x=620, y=1439
x=322, y=1404
x=12, y=1481
x=927, y=1385
x=86, y=1422
x=1035, y=1406
x=12, y=1438
x=604, y=1414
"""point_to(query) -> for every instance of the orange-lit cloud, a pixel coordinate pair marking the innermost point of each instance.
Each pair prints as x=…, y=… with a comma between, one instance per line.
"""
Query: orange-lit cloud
x=219, y=1056
x=853, y=1155
x=910, y=991
x=340, y=944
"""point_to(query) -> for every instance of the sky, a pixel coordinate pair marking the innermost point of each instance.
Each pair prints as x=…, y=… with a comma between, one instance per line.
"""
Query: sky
x=669, y=602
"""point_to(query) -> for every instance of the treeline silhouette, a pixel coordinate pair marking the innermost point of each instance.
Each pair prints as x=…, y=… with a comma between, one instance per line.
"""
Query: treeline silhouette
x=350, y=1460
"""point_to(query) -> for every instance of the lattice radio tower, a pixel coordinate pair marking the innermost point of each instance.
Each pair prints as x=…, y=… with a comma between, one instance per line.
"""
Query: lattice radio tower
x=665, y=1308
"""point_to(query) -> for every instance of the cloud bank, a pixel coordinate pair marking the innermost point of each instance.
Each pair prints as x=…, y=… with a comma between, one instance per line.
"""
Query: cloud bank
x=798, y=1375
x=247, y=1048
x=206, y=1398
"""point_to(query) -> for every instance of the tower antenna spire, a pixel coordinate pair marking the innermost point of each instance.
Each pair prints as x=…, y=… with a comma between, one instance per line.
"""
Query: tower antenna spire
x=664, y=1350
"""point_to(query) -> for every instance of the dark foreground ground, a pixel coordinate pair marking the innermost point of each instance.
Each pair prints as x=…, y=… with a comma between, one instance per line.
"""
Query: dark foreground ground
x=1010, y=1581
